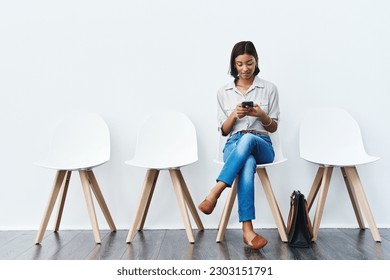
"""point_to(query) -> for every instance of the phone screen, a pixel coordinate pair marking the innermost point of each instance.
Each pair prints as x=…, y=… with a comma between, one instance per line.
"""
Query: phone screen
x=247, y=104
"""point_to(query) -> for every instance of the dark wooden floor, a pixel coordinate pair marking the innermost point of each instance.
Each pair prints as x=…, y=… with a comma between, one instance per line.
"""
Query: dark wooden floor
x=332, y=244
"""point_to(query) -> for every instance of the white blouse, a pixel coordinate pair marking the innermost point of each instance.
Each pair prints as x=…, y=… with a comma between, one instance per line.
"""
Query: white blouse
x=261, y=92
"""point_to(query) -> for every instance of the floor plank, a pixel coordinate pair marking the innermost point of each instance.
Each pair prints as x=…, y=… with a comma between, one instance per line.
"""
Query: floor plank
x=22, y=242
x=51, y=244
x=80, y=247
x=112, y=247
x=332, y=244
x=145, y=246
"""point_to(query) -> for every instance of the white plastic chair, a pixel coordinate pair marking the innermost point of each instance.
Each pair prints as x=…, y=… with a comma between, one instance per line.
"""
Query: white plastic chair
x=265, y=182
x=167, y=141
x=331, y=137
x=80, y=142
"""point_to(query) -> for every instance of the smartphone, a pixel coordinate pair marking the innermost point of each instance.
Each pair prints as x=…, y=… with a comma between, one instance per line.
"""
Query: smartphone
x=247, y=104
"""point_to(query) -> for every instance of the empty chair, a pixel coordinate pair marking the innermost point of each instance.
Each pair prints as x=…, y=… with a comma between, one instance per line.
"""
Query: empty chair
x=166, y=141
x=80, y=142
x=331, y=137
x=265, y=182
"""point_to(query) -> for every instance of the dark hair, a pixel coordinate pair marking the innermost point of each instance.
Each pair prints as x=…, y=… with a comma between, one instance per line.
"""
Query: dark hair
x=243, y=47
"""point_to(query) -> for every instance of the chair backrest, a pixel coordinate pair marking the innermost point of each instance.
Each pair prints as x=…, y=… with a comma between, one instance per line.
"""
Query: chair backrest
x=331, y=136
x=166, y=140
x=79, y=141
x=276, y=144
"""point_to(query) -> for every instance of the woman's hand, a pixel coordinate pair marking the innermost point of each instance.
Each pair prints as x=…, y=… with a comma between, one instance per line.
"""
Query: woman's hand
x=242, y=111
x=267, y=122
x=238, y=113
x=256, y=111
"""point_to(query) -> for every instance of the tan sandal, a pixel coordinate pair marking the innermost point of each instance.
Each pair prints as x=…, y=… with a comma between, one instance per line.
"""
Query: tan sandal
x=257, y=243
x=207, y=207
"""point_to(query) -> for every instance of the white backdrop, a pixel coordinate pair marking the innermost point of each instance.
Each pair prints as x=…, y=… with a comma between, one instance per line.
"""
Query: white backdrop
x=127, y=59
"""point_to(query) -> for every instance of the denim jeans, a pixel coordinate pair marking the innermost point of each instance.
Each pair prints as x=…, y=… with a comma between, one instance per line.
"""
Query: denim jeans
x=241, y=153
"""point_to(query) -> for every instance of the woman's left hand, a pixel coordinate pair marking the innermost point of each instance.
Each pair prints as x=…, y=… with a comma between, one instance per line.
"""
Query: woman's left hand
x=267, y=121
x=256, y=111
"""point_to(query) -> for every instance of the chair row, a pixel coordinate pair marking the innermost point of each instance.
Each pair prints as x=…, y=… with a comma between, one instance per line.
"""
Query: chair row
x=82, y=142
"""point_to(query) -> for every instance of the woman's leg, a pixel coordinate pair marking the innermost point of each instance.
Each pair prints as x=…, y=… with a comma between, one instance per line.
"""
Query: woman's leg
x=248, y=232
x=208, y=204
x=251, y=238
x=246, y=190
x=215, y=192
x=246, y=201
x=263, y=152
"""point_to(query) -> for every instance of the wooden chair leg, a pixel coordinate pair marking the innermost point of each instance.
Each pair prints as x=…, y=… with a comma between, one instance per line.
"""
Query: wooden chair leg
x=315, y=187
x=100, y=199
x=63, y=192
x=227, y=210
x=354, y=201
x=182, y=205
x=60, y=175
x=353, y=177
x=262, y=173
x=189, y=201
x=143, y=204
x=321, y=200
x=91, y=209
x=150, y=179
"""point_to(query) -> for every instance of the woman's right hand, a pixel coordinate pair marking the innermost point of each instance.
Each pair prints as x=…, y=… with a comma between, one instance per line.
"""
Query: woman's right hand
x=238, y=113
x=241, y=111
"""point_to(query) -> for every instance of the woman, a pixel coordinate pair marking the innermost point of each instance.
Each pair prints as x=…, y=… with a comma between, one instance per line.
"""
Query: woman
x=247, y=127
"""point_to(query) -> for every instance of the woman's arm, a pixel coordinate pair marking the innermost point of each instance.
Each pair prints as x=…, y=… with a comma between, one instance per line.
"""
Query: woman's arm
x=238, y=113
x=268, y=123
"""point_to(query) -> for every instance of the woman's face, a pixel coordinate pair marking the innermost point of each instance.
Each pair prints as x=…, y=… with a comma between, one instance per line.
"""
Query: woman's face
x=245, y=65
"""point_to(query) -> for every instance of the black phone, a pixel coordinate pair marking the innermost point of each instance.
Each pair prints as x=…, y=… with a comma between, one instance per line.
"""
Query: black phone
x=247, y=104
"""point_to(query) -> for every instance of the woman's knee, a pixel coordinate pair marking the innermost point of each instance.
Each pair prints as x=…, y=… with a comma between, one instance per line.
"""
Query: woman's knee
x=246, y=142
x=247, y=138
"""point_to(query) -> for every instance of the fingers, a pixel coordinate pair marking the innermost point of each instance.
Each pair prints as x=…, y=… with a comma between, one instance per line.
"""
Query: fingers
x=241, y=111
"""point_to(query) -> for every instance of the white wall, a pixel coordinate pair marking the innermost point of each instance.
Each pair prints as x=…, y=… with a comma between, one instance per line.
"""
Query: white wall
x=127, y=59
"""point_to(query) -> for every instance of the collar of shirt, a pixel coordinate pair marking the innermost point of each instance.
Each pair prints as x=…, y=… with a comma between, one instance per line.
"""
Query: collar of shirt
x=257, y=83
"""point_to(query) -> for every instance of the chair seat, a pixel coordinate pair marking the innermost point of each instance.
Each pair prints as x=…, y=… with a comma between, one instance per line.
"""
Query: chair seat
x=71, y=165
x=352, y=160
x=331, y=136
x=275, y=162
x=158, y=163
x=80, y=141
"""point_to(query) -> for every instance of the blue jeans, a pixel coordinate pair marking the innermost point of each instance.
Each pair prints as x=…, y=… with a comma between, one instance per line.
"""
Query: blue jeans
x=241, y=153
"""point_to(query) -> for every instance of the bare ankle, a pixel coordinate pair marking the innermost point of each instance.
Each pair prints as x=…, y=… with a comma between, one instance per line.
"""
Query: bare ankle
x=247, y=228
x=218, y=189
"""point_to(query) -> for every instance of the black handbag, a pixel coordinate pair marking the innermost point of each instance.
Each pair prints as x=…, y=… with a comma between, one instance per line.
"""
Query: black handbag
x=299, y=227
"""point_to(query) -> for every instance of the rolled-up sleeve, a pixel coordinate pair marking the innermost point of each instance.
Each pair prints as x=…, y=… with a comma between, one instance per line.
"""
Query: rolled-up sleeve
x=273, y=105
x=221, y=113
